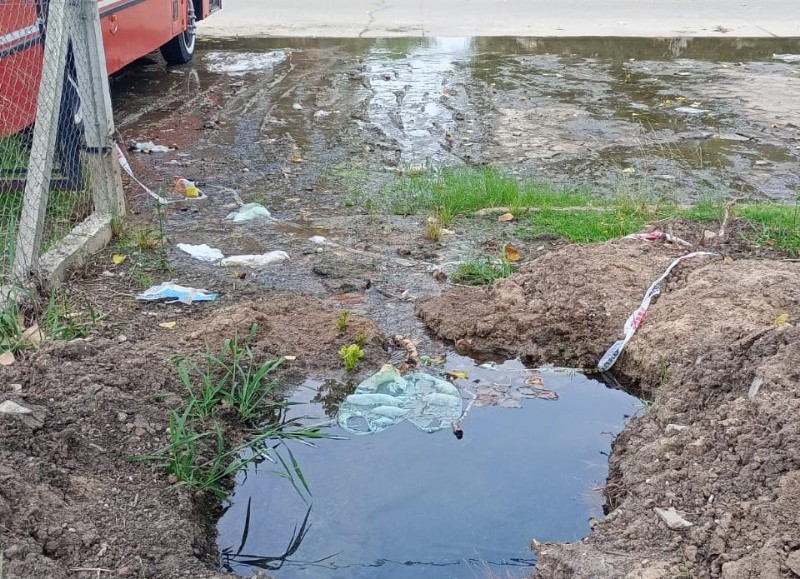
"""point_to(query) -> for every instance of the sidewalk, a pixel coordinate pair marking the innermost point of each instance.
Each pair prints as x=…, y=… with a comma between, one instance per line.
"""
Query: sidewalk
x=392, y=18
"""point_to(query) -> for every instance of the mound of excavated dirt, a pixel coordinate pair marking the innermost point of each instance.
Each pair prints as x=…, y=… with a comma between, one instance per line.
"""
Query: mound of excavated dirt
x=565, y=307
x=720, y=351
x=70, y=502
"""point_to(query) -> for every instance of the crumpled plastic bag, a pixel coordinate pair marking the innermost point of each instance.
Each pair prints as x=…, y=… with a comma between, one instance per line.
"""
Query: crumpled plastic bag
x=255, y=260
x=387, y=398
x=201, y=252
x=149, y=147
x=177, y=293
x=248, y=212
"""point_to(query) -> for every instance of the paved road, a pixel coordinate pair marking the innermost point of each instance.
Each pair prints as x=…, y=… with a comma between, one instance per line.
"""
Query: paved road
x=379, y=18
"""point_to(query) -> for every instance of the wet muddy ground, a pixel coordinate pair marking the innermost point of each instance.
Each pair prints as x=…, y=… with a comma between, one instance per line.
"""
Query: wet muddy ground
x=314, y=130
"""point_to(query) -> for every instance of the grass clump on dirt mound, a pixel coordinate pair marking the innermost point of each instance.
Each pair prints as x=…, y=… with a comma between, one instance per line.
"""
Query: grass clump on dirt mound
x=576, y=214
x=227, y=389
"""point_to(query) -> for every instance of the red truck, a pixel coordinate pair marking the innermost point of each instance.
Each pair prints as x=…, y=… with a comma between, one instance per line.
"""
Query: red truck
x=131, y=29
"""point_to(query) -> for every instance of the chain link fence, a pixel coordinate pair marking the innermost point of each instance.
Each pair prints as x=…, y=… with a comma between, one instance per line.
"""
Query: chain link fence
x=57, y=172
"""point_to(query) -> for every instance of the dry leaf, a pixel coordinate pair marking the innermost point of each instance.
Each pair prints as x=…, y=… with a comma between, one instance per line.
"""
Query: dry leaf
x=296, y=159
x=511, y=253
x=506, y=217
x=33, y=336
x=118, y=258
x=781, y=319
x=727, y=259
x=290, y=358
x=168, y=325
x=7, y=358
x=457, y=374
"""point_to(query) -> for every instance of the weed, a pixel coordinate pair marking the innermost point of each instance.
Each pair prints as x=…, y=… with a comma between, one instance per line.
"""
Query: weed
x=62, y=322
x=483, y=272
x=361, y=339
x=198, y=455
x=433, y=228
x=12, y=326
x=663, y=371
x=350, y=356
x=342, y=321
x=774, y=225
x=231, y=378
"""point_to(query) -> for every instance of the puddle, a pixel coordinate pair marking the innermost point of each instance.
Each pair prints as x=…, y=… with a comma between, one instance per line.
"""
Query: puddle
x=238, y=63
x=402, y=503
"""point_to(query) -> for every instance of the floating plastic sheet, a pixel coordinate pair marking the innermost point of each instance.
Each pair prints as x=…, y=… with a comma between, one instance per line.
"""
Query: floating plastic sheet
x=387, y=398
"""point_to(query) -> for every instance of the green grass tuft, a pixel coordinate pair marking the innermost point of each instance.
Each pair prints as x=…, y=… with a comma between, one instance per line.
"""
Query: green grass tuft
x=482, y=272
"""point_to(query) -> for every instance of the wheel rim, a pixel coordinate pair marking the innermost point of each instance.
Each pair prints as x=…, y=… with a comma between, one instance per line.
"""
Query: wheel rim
x=189, y=33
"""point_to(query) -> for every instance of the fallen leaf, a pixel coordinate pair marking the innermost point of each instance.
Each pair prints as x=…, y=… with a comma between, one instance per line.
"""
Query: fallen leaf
x=506, y=217
x=7, y=358
x=296, y=159
x=290, y=358
x=458, y=374
x=727, y=259
x=118, y=258
x=168, y=325
x=511, y=253
x=33, y=336
x=781, y=319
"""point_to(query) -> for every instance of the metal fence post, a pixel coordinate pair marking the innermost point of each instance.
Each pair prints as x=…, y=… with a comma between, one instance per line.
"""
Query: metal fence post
x=37, y=185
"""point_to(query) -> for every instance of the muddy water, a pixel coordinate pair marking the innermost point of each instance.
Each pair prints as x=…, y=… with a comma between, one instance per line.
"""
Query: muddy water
x=683, y=117
x=402, y=503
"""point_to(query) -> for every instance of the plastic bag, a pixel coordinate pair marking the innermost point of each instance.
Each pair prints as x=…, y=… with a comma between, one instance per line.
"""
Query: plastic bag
x=387, y=398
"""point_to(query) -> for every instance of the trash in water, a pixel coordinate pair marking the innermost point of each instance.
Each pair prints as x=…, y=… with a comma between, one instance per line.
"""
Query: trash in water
x=186, y=186
x=690, y=110
x=255, y=260
x=787, y=57
x=149, y=147
x=202, y=252
x=387, y=398
x=248, y=212
x=635, y=319
x=177, y=293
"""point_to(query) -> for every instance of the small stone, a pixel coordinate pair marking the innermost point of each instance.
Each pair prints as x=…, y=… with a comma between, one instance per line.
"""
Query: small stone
x=9, y=407
x=708, y=235
x=122, y=416
x=793, y=562
x=16, y=387
x=673, y=429
x=672, y=519
x=122, y=338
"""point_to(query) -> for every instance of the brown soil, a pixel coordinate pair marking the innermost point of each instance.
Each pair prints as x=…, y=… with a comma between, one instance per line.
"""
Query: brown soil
x=723, y=455
x=71, y=505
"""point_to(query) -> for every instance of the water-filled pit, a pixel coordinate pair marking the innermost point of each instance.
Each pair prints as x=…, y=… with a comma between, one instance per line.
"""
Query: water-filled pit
x=401, y=502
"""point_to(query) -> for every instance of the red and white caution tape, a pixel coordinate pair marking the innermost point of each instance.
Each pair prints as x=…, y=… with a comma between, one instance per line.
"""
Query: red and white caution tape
x=635, y=319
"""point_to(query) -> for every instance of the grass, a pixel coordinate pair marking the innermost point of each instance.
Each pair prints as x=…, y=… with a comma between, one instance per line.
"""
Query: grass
x=584, y=226
x=452, y=192
x=198, y=454
x=62, y=321
x=774, y=225
x=482, y=272
x=231, y=378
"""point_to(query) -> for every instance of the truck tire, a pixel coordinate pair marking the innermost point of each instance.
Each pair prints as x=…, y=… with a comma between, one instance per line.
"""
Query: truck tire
x=180, y=49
